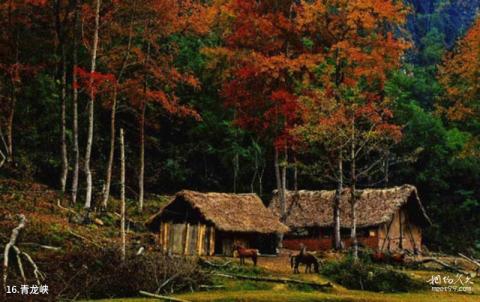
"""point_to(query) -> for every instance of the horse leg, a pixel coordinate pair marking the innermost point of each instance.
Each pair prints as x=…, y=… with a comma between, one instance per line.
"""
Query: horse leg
x=254, y=259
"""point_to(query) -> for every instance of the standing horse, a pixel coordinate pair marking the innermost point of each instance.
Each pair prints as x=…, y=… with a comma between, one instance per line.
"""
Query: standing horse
x=307, y=259
x=246, y=253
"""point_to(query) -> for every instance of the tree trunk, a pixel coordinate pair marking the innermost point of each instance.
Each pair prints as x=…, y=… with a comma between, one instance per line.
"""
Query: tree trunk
x=111, y=154
x=63, y=179
x=281, y=194
x=11, y=116
x=336, y=205
x=353, y=196
x=284, y=170
x=236, y=163
x=122, y=192
x=91, y=103
x=14, y=75
x=280, y=191
x=295, y=172
x=255, y=173
x=141, y=173
x=260, y=179
x=60, y=31
x=113, y=114
x=76, y=149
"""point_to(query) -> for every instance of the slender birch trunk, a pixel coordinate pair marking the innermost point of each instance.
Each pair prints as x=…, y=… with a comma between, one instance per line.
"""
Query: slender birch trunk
x=284, y=171
x=353, y=193
x=122, y=192
x=236, y=168
x=111, y=155
x=13, y=93
x=63, y=178
x=141, y=174
x=76, y=148
x=11, y=117
x=88, y=151
x=280, y=192
x=63, y=95
x=295, y=172
x=336, y=205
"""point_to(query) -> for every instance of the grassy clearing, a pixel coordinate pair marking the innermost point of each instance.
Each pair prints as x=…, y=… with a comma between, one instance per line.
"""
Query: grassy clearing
x=250, y=291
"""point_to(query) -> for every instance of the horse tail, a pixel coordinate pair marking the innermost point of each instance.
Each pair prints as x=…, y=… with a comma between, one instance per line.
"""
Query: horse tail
x=292, y=259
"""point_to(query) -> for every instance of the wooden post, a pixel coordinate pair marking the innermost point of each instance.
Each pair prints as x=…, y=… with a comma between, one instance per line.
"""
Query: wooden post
x=122, y=192
x=166, y=242
x=212, y=241
x=401, y=230
x=187, y=239
x=199, y=239
x=160, y=235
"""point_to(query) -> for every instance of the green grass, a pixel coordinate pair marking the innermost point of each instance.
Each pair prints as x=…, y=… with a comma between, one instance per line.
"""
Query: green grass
x=248, y=291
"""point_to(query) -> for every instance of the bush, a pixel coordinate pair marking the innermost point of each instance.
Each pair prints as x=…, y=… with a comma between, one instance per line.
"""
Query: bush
x=367, y=276
x=91, y=273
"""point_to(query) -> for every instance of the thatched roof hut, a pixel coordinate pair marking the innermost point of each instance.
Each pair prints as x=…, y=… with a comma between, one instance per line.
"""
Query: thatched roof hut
x=374, y=207
x=227, y=214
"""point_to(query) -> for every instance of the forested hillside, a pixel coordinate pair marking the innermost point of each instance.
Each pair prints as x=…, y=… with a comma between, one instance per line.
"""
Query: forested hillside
x=217, y=96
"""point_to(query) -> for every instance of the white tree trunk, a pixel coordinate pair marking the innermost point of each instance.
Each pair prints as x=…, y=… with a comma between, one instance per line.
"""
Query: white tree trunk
x=122, y=192
x=10, y=244
x=353, y=201
x=63, y=179
x=336, y=205
x=141, y=174
x=111, y=155
x=88, y=151
x=76, y=149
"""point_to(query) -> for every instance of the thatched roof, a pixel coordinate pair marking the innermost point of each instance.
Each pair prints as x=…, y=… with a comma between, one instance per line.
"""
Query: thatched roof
x=374, y=207
x=228, y=212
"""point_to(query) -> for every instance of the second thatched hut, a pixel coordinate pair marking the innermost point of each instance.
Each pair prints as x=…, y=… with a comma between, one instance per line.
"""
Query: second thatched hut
x=387, y=219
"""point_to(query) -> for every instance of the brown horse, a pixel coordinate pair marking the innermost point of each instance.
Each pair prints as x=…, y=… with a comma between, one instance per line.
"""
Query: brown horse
x=246, y=253
x=308, y=259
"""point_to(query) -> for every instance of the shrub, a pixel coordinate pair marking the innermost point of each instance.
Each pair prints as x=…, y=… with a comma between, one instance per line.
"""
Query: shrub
x=367, y=276
x=92, y=273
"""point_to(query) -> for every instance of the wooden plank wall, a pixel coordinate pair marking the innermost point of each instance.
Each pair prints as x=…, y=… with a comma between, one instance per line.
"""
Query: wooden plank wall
x=399, y=234
x=186, y=238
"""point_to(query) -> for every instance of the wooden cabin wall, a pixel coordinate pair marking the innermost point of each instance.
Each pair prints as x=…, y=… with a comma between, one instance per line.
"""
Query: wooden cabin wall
x=324, y=239
x=399, y=234
x=186, y=238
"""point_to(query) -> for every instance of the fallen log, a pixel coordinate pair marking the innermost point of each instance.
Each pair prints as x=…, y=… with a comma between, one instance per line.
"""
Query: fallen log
x=445, y=265
x=471, y=260
x=85, y=239
x=10, y=244
x=47, y=247
x=207, y=287
x=276, y=280
x=209, y=263
x=166, y=298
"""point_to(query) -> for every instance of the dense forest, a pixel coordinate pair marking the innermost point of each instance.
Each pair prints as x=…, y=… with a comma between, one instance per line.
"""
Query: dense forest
x=246, y=96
